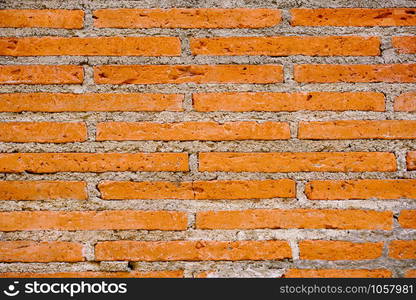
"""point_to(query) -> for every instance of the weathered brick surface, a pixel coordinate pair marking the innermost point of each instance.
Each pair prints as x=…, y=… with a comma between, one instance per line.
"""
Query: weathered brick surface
x=186, y=18
x=314, y=101
x=192, y=250
x=219, y=139
x=42, y=190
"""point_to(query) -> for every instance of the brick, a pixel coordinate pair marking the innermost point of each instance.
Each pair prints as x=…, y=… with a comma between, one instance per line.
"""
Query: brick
x=92, y=162
x=42, y=18
x=60, y=102
x=186, y=18
x=189, y=131
x=176, y=74
x=297, y=162
x=339, y=250
x=192, y=250
x=353, y=17
x=411, y=160
x=358, y=129
x=410, y=273
x=322, y=73
x=42, y=132
x=407, y=218
x=41, y=74
x=404, y=44
x=314, y=101
x=89, y=274
x=338, y=273
x=295, y=218
x=92, y=220
x=402, y=249
x=384, y=189
x=405, y=102
x=29, y=251
x=43, y=190
x=198, y=190
x=90, y=46
x=287, y=45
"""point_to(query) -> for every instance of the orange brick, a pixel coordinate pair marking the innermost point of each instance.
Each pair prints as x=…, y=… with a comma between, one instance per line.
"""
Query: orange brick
x=407, y=218
x=131, y=274
x=43, y=190
x=29, y=251
x=41, y=74
x=353, y=129
x=92, y=220
x=51, y=102
x=297, y=162
x=189, y=131
x=287, y=45
x=402, y=249
x=404, y=44
x=192, y=250
x=411, y=160
x=338, y=273
x=92, y=162
x=90, y=46
x=410, y=274
x=43, y=18
x=295, y=218
x=355, y=73
x=339, y=250
x=42, y=132
x=314, y=101
x=405, y=102
x=160, y=74
x=361, y=189
x=186, y=18
x=198, y=190
x=353, y=17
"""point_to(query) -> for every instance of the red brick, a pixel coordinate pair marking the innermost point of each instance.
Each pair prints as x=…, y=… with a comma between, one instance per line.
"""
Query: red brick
x=192, y=250
x=187, y=18
x=411, y=160
x=92, y=162
x=358, y=129
x=361, y=189
x=404, y=44
x=407, y=218
x=59, y=102
x=198, y=190
x=176, y=74
x=189, y=131
x=314, y=101
x=353, y=17
x=287, y=45
x=29, y=251
x=131, y=274
x=92, y=220
x=41, y=74
x=405, y=102
x=90, y=46
x=43, y=18
x=297, y=162
x=42, y=132
x=402, y=249
x=43, y=190
x=295, y=218
x=396, y=73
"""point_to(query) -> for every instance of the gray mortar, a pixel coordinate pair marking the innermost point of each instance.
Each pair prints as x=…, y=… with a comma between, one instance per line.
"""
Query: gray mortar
x=219, y=269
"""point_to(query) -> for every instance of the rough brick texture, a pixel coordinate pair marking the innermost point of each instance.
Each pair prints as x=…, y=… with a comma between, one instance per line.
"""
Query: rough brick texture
x=207, y=139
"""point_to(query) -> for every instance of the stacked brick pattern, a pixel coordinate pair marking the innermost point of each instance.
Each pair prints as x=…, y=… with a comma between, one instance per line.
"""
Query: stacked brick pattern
x=139, y=139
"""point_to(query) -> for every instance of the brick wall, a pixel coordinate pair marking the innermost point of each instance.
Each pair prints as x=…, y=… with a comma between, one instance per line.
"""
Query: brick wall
x=246, y=138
